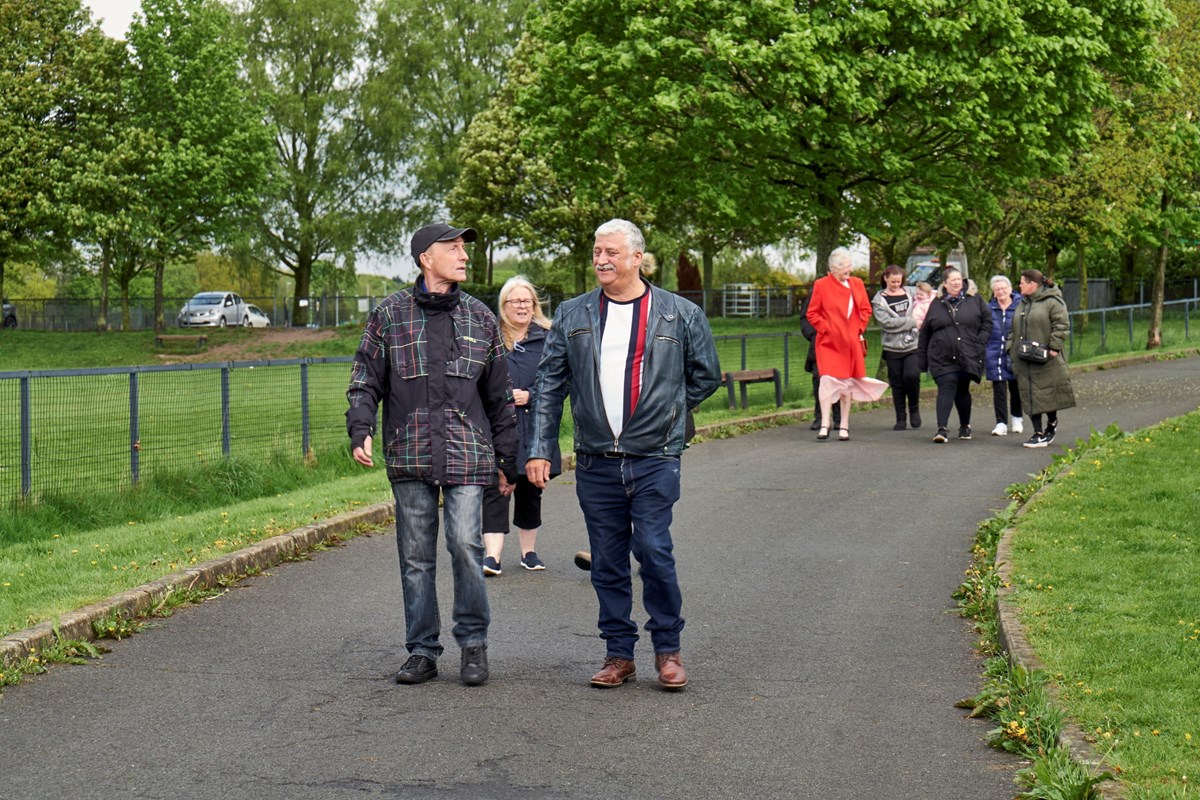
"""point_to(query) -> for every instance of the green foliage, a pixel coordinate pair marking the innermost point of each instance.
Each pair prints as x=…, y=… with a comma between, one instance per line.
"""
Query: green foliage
x=766, y=112
x=116, y=625
x=1055, y=776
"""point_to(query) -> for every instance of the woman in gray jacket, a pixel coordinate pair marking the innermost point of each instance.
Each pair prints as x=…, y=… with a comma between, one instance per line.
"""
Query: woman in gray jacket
x=893, y=309
x=1045, y=388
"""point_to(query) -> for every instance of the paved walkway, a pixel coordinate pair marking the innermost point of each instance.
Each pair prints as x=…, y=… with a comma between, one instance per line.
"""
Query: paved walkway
x=824, y=650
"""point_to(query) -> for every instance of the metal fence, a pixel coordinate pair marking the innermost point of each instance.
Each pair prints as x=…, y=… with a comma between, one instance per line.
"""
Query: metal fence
x=97, y=430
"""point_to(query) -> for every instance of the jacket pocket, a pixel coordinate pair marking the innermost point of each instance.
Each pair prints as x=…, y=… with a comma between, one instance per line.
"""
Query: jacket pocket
x=470, y=457
x=408, y=449
x=472, y=355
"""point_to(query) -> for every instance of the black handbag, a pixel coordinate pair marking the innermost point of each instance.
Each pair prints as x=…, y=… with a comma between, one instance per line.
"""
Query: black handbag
x=1029, y=350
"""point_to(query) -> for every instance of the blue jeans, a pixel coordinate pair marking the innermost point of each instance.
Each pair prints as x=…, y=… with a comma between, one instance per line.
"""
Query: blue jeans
x=627, y=503
x=416, y=539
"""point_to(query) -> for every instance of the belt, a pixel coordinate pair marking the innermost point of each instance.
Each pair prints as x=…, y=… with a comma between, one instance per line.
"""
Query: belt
x=614, y=454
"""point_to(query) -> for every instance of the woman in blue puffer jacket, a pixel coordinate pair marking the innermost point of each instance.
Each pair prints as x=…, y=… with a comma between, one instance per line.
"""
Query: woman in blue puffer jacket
x=999, y=365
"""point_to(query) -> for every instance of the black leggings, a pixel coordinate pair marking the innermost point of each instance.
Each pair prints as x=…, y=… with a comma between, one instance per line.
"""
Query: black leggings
x=1051, y=421
x=1005, y=395
x=954, y=391
x=904, y=376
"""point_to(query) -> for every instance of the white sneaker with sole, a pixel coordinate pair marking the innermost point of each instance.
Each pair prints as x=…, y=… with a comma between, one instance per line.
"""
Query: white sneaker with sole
x=1017, y=426
x=1000, y=430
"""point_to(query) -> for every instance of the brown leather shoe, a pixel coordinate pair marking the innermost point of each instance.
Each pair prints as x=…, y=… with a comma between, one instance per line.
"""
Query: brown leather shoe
x=615, y=672
x=671, y=674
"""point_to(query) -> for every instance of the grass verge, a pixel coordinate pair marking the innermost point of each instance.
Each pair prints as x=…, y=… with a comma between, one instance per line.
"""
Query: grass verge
x=1103, y=578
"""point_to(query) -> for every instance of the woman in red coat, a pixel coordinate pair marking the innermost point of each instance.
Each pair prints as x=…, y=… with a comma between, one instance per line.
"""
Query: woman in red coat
x=839, y=309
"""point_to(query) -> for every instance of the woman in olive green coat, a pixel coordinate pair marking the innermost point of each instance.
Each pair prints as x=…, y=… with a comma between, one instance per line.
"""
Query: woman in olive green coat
x=1045, y=388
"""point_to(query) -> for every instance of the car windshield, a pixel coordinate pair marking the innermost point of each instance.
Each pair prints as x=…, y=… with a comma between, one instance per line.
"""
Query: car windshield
x=207, y=300
x=923, y=272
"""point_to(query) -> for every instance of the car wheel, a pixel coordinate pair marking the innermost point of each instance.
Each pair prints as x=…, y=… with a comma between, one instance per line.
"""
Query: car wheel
x=221, y=322
x=246, y=321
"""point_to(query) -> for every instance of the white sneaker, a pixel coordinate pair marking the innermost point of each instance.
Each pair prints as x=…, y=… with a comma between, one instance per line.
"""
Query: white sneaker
x=1017, y=426
x=1000, y=430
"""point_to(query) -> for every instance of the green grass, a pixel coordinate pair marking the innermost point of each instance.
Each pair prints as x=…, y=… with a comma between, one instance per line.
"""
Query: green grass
x=46, y=576
x=1105, y=573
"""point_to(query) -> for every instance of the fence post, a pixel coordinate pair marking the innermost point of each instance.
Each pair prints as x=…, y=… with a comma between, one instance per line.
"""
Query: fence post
x=135, y=444
x=1130, y=317
x=787, y=362
x=304, y=408
x=26, y=443
x=743, y=351
x=225, y=442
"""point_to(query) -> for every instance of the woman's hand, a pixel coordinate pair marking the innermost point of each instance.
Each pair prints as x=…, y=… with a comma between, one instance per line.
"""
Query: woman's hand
x=520, y=397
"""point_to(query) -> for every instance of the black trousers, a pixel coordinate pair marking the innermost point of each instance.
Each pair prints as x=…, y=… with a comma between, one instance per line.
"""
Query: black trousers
x=954, y=392
x=904, y=376
x=1005, y=395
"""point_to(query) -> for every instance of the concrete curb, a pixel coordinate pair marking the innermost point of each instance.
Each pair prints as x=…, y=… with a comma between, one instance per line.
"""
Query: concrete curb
x=133, y=602
x=1011, y=634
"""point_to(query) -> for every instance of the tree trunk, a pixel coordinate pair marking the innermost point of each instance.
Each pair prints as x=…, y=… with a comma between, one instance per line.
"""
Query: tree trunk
x=829, y=227
x=706, y=259
x=105, y=272
x=1082, y=273
x=1128, y=275
x=876, y=263
x=303, y=274
x=1158, y=292
x=1052, y=251
x=3, y=261
x=159, y=324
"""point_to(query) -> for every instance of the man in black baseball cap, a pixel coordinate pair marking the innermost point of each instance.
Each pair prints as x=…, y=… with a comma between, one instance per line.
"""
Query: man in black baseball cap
x=438, y=232
x=432, y=355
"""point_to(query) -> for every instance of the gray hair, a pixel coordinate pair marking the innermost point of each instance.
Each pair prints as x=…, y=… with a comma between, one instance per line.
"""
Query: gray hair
x=1000, y=279
x=840, y=255
x=633, y=237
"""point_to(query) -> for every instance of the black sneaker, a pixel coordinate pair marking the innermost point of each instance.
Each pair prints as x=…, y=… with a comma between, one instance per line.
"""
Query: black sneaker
x=900, y=425
x=914, y=419
x=583, y=560
x=1048, y=436
x=941, y=437
x=531, y=561
x=964, y=431
x=417, y=669
x=491, y=566
x=1037, y=440
x=474, y=665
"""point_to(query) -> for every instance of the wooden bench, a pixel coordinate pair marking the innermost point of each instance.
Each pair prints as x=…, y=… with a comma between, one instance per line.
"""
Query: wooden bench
x=752, y=376
x=162, y=339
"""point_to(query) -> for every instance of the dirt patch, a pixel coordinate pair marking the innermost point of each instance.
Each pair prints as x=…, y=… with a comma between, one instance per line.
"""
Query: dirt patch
x=252, y=344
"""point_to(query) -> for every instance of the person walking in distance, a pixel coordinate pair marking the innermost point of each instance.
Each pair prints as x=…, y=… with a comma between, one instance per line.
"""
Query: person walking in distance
x=633, y=358
x=433, y=357
x=1045, y=386
x=1006, y=397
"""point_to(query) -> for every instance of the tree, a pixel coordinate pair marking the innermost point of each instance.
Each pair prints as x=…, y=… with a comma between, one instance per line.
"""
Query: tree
x=340, y=137
x=38, y=44
x=445, y=61
x=765, y=110
x=207, y=148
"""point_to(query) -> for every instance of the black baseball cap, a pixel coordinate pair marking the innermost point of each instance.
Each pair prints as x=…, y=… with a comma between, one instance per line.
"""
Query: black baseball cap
x=438, y=232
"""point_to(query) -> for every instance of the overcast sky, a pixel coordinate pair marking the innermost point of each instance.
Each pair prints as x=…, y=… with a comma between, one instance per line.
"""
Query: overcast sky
x=116, y=14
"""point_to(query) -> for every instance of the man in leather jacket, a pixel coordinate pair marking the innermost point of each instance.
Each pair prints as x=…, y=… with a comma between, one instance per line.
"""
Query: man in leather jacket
x=633, y=358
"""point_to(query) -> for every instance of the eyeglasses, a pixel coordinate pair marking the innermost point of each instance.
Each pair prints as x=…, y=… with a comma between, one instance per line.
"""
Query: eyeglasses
x=519, y=303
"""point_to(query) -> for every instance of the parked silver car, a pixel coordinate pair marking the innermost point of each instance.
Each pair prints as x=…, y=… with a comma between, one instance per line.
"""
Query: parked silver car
x=8, y=314
x=258, y=317
x=214, y=309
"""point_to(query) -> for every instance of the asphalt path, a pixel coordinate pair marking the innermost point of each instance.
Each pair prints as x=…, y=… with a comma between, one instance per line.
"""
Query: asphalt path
x=824, y=651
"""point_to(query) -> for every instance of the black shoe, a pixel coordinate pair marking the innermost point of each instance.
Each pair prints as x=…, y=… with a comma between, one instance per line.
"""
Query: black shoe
x=1048, y=436
x=941, y=436
x=899, y=426
x=914, y=419
x=964, y=431
x=417, y=669
x=474, y=665
x=583, y=560
x=816, y=423
x=1036, y=440
x=491, y=567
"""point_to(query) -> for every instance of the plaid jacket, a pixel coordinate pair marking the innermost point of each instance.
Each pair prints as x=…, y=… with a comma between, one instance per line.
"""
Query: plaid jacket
x=437, y=363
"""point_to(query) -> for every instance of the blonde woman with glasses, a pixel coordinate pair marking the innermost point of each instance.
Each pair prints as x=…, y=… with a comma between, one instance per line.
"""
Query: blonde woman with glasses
x=523, y=327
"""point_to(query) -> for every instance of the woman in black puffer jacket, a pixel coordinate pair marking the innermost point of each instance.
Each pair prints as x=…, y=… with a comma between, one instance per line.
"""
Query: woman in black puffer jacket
x=952, y=347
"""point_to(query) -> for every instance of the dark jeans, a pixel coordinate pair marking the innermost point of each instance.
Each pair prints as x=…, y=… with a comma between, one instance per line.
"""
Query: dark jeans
x=1005, y=395
x=416, y=539
x=953, y=392
x=627, y=505
x=904, y=376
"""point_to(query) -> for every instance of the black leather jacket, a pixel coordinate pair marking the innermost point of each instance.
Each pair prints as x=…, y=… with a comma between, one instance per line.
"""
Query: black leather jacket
x=680, y=370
